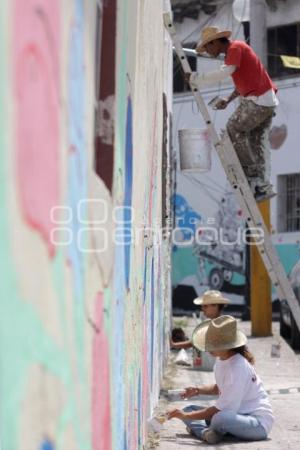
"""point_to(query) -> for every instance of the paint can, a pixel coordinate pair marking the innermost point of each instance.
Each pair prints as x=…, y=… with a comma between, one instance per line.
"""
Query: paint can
x=175, y=394
x=195, y=150
x=155, y=424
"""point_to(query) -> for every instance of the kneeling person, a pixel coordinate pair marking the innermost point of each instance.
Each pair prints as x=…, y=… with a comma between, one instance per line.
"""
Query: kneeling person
x=242, y=408
x=212, y=304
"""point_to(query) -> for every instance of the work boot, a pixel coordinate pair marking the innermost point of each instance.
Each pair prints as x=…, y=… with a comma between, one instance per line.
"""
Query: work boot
x=211, y=436
x=263, y=193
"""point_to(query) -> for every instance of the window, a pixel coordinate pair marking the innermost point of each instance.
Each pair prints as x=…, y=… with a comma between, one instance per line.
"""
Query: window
x=289, y=202
x=105, y=55
x=179, y=85
x=284, y=40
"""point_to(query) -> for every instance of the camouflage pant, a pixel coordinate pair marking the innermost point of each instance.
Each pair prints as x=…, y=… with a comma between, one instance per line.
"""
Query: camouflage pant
x=248, y=128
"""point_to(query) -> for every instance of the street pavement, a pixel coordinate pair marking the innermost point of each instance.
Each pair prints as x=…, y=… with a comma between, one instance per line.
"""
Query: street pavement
x=281, y=378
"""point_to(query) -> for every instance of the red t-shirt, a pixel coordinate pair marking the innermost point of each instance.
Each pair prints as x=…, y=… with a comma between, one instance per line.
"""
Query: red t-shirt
x=250, y=76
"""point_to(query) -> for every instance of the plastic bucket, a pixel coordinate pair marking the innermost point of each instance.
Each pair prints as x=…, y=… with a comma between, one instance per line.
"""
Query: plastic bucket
x=195, y=150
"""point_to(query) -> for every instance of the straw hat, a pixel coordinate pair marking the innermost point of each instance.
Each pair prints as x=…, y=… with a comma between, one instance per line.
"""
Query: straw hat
x=218, y=334
x=209, y=34
x=211, y=298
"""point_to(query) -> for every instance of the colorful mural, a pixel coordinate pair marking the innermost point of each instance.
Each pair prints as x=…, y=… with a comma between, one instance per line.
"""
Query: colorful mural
x=85, y=285
x=36, y=88
x=209, y=252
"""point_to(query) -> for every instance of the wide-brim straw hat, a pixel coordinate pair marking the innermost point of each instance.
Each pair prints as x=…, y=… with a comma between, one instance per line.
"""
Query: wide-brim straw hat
x=218, y=334
x=211, y=298
x=209, y=34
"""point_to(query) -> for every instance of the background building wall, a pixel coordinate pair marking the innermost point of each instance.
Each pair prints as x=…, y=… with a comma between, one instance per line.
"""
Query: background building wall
x=85, y=281
x=286, y=12
x=201, y=198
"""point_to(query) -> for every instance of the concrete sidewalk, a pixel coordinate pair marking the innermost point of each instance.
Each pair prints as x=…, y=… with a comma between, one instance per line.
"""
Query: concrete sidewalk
x=281, y=378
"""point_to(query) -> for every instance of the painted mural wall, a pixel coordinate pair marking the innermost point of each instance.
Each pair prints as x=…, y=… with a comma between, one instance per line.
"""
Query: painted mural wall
x=85, y=100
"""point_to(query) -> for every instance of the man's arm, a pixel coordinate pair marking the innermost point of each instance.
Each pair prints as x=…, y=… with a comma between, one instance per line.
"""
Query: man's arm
x=233, y=96
x=208, y=79
x=208, y=389
x=223, y=102
x=206, y=413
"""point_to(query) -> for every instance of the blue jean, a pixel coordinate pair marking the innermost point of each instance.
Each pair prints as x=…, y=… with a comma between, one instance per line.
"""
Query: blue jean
x=242, y=426
x=196, y=426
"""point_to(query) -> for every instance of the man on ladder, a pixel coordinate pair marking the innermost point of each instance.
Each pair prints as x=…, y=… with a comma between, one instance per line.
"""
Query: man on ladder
x=249, y=125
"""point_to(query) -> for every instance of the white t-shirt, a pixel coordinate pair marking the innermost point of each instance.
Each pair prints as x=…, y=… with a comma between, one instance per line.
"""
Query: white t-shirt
x=241, y=390
x=267, y=99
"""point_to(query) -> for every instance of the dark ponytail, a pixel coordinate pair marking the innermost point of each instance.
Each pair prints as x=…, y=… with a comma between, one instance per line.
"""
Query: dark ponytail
x=243, y=350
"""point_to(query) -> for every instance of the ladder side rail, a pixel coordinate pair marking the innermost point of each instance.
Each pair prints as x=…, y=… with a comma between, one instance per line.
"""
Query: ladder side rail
x=278, y=275
x=267, y=250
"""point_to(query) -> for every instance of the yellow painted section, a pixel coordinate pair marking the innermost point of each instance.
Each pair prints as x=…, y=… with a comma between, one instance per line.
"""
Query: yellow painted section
x=260, y=300
x=292, y=62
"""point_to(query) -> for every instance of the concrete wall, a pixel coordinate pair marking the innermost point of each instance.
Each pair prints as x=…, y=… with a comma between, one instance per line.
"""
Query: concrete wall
x=85, y=288
x=286, y=12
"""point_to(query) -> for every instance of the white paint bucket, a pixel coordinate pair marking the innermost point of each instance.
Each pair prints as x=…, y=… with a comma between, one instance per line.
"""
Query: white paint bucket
x=195, y=150
x=175, y=394
x=155, y=424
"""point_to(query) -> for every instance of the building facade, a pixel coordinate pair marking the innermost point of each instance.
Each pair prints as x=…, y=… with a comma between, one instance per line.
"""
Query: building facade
x=85, y=168
x=216, y=258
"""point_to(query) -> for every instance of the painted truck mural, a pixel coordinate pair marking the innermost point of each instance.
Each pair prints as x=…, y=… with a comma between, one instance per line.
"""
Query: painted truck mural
x=209, y=251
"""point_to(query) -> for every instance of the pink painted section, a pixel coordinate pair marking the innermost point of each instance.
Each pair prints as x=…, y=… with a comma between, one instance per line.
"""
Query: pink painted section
x=36, y=40
x=101, y=416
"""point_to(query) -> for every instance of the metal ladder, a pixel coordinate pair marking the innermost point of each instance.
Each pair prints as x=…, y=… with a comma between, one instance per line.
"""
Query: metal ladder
x=240, y=185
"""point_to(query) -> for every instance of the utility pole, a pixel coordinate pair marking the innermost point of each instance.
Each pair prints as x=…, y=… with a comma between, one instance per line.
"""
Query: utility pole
x=260, y=292
x=258, y=29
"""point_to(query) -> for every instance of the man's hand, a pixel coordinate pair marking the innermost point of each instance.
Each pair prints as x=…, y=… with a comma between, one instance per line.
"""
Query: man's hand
x=176, y=414
x=221, y=104
x=190, y=392
x=187, y=77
